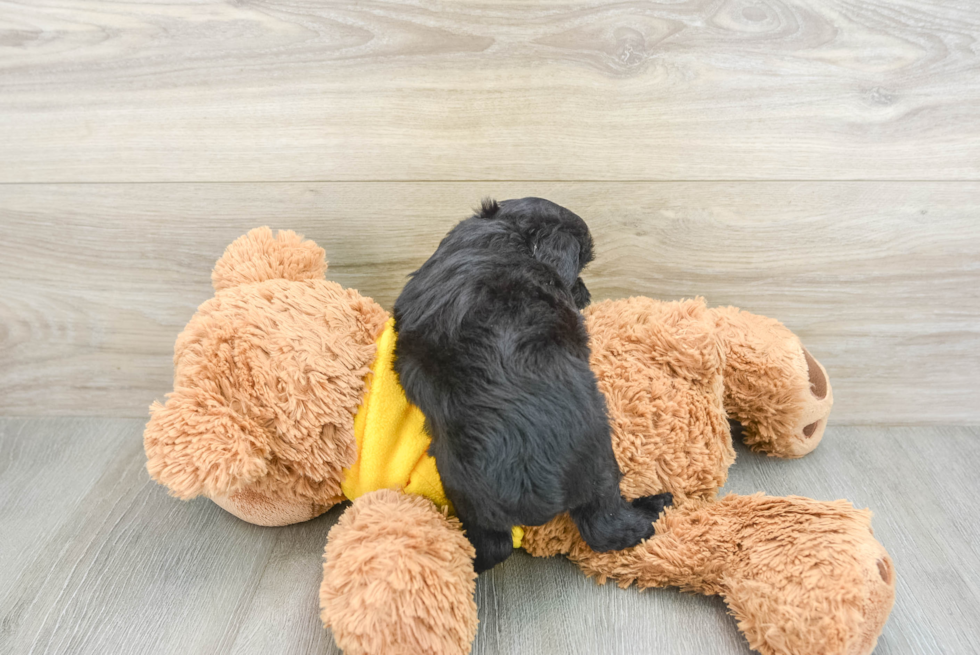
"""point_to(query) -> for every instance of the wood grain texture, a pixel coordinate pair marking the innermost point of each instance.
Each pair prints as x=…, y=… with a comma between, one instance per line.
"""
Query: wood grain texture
x=95, y=558
x=292, y=90
x=98, y=559
x=881, y=280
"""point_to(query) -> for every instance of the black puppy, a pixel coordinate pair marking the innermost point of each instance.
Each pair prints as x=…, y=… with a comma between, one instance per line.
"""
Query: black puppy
x=493, y=350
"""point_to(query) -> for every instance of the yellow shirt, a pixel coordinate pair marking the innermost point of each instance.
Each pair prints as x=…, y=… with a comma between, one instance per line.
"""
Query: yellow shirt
x=392, y=444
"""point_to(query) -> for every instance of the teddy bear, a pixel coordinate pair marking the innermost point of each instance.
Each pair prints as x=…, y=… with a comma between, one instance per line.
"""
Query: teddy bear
x=285, y=404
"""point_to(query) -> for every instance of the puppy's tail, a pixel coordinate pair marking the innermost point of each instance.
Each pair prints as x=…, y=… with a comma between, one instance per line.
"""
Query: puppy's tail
x=488, y=208
x=259, y=256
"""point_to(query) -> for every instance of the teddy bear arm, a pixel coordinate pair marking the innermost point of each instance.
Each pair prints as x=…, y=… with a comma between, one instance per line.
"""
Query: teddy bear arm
x=195, y=444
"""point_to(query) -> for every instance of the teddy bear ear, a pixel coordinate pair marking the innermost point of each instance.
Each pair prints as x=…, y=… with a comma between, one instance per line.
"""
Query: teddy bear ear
x=259, y=256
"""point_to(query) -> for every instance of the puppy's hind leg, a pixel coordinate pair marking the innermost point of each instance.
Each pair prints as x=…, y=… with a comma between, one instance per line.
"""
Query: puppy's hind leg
x=492, y=546
x=609, y=522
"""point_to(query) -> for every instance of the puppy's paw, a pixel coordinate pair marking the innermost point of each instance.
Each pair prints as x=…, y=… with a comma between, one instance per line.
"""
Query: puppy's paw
x=625, y=526
x=654, y=505
x=492, y=547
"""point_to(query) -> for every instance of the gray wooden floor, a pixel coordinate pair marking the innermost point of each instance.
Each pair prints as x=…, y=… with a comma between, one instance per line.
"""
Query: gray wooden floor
x=818, y=162
x=95, y=558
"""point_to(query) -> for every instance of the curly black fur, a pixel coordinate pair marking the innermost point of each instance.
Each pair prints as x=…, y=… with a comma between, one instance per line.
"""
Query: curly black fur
x=493, y=350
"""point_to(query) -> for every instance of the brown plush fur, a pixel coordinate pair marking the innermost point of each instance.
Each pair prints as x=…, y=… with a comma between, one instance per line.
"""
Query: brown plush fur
x=398, y=579
x=267, y=377
x=801, y=576
x=773, y=386
x=660, y=368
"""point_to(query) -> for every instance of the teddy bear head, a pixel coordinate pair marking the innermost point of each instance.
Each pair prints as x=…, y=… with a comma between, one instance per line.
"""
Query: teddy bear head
x=268, y=375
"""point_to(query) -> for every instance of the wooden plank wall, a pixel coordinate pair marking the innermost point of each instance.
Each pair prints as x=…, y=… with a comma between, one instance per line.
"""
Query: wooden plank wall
x=818, y=162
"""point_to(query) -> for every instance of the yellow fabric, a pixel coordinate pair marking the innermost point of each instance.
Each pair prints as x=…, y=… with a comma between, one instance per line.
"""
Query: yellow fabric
x=517, y=534
x=392, y=444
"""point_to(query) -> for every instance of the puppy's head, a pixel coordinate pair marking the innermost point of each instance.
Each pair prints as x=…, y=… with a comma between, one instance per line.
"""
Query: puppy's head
x=554, y=235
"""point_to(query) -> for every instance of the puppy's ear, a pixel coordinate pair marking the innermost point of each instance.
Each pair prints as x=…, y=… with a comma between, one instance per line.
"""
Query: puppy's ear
x=561, y=251
x=488, y=208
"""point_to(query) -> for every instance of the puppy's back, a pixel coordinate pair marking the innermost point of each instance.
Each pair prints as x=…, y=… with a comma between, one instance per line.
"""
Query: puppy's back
x=493, y=351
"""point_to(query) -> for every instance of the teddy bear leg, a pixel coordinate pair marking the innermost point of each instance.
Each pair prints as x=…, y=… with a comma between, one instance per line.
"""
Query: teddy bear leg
x=802, y=577
x=810, y=577
x=774, y=387
x=398, y=579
